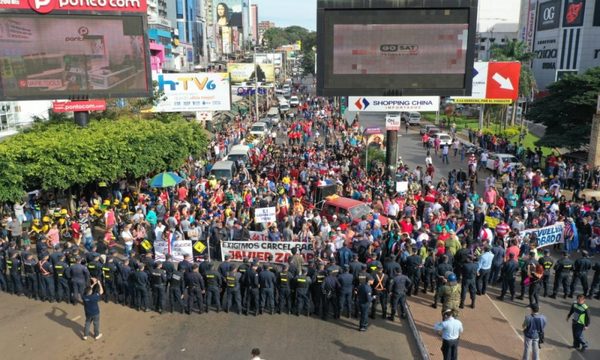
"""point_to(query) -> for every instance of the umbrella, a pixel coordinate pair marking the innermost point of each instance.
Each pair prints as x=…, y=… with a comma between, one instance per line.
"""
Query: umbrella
x=166, y=179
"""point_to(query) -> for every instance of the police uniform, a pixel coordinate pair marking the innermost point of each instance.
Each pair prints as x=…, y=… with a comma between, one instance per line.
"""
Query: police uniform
x=233, y=291
x=547, y=262
x=267, y=282
x=252, y=298
x=31, y=278
x=46, y=279
x=508, y=270
x=440, y=271
x=346, y=281
x=123, y=289
x=580, y=273
x=362, y=277
x=141, y=284
x=284, y=286
x=562, y=272
x=195, y=288
x=63, y=293
x=317, y=282
x=413, y=268
x=580, y=320
x=469, y=276
x=364, y=298
x=429, y=278
x=213, y=281
x=595, y=281
x=109, y=271
x=398, y=286
x=303, y=283
x=380, y=292
x=176, y=289
x=329, y=298
x=79, y=277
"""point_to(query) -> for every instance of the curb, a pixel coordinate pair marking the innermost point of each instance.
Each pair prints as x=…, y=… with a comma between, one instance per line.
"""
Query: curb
x=423, y=352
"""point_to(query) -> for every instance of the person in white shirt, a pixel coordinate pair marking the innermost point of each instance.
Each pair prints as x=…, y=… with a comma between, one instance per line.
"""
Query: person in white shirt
x=450, y=330
x=256, y=354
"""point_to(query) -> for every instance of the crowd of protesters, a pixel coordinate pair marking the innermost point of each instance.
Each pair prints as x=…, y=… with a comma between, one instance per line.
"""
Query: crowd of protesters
x=438, y=236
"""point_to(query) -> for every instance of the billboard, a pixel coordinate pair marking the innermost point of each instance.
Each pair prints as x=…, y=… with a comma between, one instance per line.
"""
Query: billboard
x=387, y=51
x=68, y=56
x=47, y=6
x=574, y=13
x=241, y=72
x=228, y=13
x=391, y=103
x=549, y=15
x=194, y=92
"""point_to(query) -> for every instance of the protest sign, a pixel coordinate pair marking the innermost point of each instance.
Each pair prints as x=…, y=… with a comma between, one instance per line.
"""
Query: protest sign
x=260, y=250
x=264, y=215
x=176, y=248
x=492, y=222
x=548, y=235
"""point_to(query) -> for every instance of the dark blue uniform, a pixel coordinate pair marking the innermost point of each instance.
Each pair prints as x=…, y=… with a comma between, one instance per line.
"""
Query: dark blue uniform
x=346, y=281
x=364, y=297
x=330, y=289
x=267, y=282
x=398, y=286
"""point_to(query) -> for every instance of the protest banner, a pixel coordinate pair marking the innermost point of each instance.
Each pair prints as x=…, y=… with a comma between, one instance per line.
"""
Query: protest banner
x=258, y=235
x=401, y=187
x=176, y=248
x=492, y=222
x=264, y=215
x=548, y=235
x=260, y=250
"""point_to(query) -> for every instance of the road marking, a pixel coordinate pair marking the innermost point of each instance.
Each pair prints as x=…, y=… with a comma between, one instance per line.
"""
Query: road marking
x=76, y=318
x=504, y=316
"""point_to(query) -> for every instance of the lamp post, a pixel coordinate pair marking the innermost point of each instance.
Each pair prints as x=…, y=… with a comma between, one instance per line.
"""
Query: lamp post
x=256, y=84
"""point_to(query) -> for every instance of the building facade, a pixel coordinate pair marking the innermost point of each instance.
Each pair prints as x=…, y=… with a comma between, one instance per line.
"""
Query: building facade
x=566, y=39
x=262, y=27
x=254, y=23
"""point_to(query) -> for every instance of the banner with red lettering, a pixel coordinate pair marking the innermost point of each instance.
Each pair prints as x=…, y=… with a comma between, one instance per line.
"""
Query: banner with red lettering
x=47, y=6
x=260, y=250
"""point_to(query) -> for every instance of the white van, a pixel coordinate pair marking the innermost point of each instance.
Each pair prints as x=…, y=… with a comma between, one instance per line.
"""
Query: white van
x=284, y=107
x=239, y=153
x=224, y=169
x=273, y=114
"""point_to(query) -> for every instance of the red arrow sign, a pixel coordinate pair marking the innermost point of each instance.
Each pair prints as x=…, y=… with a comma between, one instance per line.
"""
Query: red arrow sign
x=503, y=80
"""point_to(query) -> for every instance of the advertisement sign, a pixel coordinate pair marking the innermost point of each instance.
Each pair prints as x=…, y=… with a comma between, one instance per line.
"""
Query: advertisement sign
x=392, y=123
x=56, y=56
x=177, y=249
x=393, y=103
x=228, y=13
x=497, y=81
x=548, y=235
x=199, y=250
x=242, y=72
x=264, y=215
x=530, y=26
x=260, y=250
x=194, y=92
x=47, y=6
x=574, y=13
x=69, y=106
x=549, y=15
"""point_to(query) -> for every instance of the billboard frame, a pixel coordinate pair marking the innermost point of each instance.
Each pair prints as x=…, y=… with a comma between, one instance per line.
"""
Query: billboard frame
x=323, y=47
x=86, y=95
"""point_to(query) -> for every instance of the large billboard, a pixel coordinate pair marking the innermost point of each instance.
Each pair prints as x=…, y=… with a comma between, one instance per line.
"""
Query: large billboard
x=70, y=56
x=378, y=48
x=398, y=103
x=241, y=72
x=228, y=13
x=574, y=13
x=194, y=92
x=549, y=15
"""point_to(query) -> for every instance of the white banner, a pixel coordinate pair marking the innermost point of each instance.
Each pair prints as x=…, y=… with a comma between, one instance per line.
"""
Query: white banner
x=193, y=92
x=548, y=235
x=260, y=250
x=393, y=103
x=392, y=123
x=401, y=186
x=258, y=235
x=264, y=215
x=177, y=249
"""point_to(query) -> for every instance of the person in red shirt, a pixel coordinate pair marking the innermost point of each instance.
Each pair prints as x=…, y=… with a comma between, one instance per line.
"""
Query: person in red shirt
x=182, y=193
x=406, y=225
x=512, y=249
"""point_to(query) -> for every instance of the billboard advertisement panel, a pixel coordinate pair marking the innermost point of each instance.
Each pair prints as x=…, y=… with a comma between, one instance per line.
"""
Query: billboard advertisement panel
x=194, y=92
x=47, y=6
x=241, y=72
x=388, y=50
x=66, y=56
x=549, y=15
x=573, y=13
x=393, y=103
x=228, y=13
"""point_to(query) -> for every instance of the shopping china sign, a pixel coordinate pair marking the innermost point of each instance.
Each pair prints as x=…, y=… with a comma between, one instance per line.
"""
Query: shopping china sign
x=47, y=6
x=393, y=103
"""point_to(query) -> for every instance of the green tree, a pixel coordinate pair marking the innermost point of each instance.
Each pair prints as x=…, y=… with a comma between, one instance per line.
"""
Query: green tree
x=516, y=50
x=567, y=110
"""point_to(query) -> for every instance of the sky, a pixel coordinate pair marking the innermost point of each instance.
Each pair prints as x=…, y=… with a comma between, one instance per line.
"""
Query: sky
x=304, y=12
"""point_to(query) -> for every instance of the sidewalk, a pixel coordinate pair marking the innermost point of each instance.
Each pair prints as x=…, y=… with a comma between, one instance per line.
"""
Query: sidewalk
x=487, y=333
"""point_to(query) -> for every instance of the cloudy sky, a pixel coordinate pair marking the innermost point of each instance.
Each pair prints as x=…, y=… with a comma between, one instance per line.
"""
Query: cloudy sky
x=304, y=12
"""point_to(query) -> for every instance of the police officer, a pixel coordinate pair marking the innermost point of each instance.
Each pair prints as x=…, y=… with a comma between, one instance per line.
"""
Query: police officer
x=176, y=288
x=329, y=290
x=469, y=276
x=109, y=271
x=346, y=281
x=94, y=266
x=364, y=296
x=251, y=281
x=233, y=290
x=360, y=278
x=63, y=293
x=333, y=267
x=267, y=282
x=580, y=272
x=547, y=262
x=398, y=286
x=13, y=267
x=244, y=266
x=158, y=281
x=390, y=266
x=373, y=264
x=429, y=277
x=595, y=281
x=31, y=280
x=195, y=287
x=214, y=282
x=225, y=267
x=529, y=264
x=562, y=271
x=303, y=283
x=441, y=271
x=79, y=277
x=497, y=261
x=46, y=278
x=508, y=270
x=380, y=292
x=580, y=316
x=355, y=265
x=122, y=277
x=451, y=293
x=284, y=287
x=414, y=263
x=141, y=284
x=317, y=282
x=185, y=265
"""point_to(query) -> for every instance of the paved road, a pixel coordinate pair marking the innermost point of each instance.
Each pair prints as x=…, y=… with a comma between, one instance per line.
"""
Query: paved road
x=558, y=333
x=34, y=328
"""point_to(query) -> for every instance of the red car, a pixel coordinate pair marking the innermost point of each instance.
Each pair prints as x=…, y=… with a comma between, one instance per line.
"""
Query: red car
x=354, y=209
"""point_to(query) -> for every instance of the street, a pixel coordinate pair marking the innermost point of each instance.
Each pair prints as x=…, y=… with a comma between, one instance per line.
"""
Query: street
x=54, y=330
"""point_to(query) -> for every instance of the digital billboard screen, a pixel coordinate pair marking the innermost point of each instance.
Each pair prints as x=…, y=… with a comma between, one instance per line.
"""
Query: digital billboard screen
x=72, y=56
x=390, y=51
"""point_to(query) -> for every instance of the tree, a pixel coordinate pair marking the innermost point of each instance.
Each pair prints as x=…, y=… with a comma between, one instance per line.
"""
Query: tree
x=567, y=110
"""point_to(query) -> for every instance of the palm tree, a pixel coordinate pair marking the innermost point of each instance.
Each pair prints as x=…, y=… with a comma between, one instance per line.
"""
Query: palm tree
x=517, y=50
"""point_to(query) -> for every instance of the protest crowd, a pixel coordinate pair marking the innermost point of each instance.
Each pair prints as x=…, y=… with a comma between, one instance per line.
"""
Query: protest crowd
x=197, y=246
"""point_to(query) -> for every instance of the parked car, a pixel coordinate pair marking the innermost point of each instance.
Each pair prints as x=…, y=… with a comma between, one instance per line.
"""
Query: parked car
x=294, y=101
x=414, y=118
x=425, y=129
x=507, y=161
x=259, y=129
